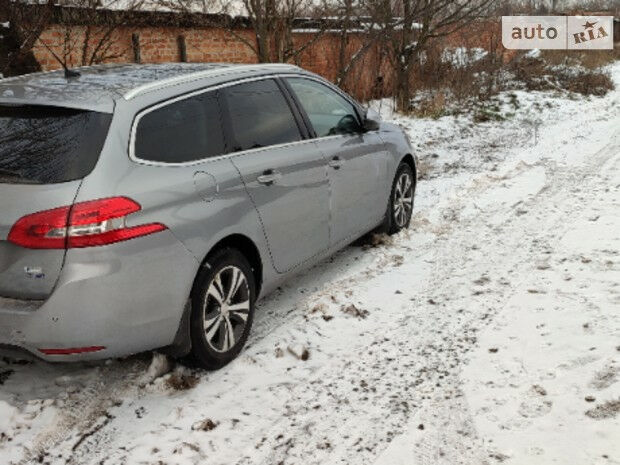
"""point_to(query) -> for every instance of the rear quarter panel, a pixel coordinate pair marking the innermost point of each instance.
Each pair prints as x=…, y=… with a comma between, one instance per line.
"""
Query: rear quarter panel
x=200, y=203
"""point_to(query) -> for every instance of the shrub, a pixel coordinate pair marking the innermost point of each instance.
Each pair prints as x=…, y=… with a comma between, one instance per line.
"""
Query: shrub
x=451, y=81
x=538, y=74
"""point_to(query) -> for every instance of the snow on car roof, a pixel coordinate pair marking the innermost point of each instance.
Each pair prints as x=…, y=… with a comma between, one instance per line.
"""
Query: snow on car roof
x=97, y=87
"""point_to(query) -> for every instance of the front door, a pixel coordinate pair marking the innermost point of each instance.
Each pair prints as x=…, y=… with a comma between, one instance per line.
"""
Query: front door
x=284, y=175
x=358, y=167
x=357, y=161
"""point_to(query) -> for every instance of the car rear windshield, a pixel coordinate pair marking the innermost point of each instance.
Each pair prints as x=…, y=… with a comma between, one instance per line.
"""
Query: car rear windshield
x=48, y=145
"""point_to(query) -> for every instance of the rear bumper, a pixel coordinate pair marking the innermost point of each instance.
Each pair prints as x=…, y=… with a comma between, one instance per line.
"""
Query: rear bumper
x=127, y=298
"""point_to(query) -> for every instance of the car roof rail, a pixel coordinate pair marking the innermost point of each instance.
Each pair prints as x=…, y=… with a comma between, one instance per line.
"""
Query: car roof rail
x=155, y=85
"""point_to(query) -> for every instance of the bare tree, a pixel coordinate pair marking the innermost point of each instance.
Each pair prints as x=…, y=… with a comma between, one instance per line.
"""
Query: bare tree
x=20, y=32
x=409, y=26
x=272, y=23
x=357, y=34
x=88, y=30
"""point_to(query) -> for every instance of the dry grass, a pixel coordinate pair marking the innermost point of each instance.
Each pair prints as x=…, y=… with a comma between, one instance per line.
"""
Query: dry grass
x=425, y=167
x=591, y=59
x=440, y=87
x=205, y=425
x=539, y=74
x=181, y=382
x=609, y=409
x=432, y=107
x=592, y=83
x=439, y=83
x=355, y=311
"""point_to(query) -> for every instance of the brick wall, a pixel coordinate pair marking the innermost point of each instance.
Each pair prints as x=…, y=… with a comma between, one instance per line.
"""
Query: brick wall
x=157, y=45
x=371, y=76
x=161, y=45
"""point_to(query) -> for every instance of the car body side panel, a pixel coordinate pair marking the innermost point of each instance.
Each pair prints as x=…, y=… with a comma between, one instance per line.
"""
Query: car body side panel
x=397, y=145
x=200, y=204
x=294, y=209
x=217, y=205
x=131, y=296
x=358, y=187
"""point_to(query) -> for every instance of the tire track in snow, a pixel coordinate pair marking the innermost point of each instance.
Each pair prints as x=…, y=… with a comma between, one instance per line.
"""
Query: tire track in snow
x=560, y=184
x=365, y=404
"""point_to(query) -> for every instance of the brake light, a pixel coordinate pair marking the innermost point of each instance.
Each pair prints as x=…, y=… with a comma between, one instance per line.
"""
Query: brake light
x=85, y=224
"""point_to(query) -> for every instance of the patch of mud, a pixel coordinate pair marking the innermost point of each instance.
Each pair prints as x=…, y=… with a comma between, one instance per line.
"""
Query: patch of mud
x=604, y=411
x=355, y=311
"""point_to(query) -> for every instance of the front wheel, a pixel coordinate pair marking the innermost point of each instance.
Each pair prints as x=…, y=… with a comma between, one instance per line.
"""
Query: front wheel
x=400, y=205
x=222, y=308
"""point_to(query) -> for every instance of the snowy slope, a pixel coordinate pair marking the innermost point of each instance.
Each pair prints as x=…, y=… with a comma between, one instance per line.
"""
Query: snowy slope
x=475, y=337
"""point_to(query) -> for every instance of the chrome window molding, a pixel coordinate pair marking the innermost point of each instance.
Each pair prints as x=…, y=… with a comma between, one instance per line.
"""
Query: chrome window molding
x=132, y=138
x=223, y=156
x=140, y=115
x=152, y=86
x=327, y=84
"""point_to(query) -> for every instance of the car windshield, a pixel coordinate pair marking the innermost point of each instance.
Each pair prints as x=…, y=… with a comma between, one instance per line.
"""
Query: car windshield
x=46, y=145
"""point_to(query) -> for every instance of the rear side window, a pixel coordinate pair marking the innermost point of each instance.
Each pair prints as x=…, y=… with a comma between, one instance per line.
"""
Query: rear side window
x=47, y=145
x=180, y=132
x=259, y=115
x=329, y=112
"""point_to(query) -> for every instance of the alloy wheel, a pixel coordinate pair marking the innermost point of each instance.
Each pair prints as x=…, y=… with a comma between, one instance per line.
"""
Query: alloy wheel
x=403, y=200
x=226, y=308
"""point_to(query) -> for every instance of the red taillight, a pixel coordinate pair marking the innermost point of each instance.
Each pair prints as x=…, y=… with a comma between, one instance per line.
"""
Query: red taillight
x=85, y=224
x=33, y=231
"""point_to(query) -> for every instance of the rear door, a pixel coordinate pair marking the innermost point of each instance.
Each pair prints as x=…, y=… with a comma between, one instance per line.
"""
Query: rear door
x=44, y=153
x=285, y=175
x=357, y=161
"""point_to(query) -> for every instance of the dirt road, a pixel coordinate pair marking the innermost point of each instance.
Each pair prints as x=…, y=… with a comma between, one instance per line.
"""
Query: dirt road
x=487, y=333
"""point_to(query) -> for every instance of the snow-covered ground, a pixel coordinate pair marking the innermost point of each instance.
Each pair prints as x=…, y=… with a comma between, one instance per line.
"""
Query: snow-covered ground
x=487, y=333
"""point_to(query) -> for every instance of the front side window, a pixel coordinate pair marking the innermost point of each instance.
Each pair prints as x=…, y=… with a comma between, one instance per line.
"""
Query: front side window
x=180, y=132
x=329, y=113
x=259, y=115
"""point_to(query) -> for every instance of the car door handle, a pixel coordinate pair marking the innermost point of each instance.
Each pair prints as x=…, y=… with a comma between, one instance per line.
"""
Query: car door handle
x=336, y=162
x=269, y=177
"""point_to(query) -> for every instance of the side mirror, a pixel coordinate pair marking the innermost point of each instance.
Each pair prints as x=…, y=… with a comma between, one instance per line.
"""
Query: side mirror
x=372, y=120
x=348, y=124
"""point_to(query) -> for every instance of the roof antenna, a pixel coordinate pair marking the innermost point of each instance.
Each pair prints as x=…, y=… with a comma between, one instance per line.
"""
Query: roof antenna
x=70, y=73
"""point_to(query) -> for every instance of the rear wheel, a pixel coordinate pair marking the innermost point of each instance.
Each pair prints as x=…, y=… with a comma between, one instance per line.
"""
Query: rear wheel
x=400, y=206
x=222, y=308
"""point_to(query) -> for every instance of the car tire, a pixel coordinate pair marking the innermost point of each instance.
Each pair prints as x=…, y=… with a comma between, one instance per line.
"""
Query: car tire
x=397, y=218
x=223, y=301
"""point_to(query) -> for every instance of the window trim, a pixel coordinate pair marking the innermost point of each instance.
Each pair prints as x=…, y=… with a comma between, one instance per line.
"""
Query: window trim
x=229, y=134
x=157, y=106
x=297, y=113
x=302, y=112
x=310, y=137
x=329, y=85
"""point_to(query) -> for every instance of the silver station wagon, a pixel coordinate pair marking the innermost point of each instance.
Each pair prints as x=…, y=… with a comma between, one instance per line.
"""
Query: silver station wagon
x=149, y=206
